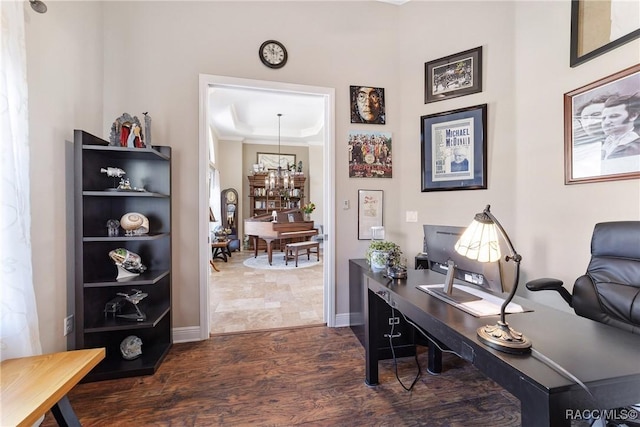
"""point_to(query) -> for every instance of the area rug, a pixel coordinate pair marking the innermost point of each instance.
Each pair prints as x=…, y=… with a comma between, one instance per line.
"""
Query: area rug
x=262, y=262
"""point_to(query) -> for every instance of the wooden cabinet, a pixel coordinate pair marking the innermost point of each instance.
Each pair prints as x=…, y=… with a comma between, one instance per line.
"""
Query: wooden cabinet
x=264, y=201
x=95, y=272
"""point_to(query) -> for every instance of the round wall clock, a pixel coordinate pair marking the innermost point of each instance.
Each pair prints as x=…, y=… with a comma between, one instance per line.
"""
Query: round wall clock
x=273, y=54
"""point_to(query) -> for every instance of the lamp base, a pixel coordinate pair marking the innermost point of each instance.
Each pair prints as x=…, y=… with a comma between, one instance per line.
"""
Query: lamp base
x=503, y=338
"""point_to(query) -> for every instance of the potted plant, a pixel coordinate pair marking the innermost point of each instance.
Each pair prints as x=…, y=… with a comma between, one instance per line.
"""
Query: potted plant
x=307, y=210
x=381, y=254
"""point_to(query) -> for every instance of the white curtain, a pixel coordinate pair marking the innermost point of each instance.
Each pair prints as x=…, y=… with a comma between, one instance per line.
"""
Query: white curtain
x=19, y=334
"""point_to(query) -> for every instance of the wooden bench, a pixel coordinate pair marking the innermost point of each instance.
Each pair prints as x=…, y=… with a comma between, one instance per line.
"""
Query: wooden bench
x=296, y=247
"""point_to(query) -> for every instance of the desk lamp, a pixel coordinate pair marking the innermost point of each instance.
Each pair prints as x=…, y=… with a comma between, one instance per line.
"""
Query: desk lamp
x=480, y=242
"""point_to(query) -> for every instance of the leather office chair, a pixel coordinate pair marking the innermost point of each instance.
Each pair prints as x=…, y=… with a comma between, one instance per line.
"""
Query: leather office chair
x=609, y=292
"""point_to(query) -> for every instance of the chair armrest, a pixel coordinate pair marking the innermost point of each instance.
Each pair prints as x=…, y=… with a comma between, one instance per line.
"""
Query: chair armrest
x=546, y=284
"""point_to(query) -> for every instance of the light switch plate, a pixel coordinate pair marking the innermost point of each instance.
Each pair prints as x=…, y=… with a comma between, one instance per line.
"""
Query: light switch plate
x=412, y=216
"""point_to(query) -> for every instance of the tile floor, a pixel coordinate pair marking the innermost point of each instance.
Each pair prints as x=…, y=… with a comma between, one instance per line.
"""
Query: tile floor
x=248, y=299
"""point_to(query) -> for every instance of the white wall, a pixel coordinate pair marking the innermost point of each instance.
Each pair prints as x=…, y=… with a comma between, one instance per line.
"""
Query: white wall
x=64, y=72
x=553, y=222
x=90, y=62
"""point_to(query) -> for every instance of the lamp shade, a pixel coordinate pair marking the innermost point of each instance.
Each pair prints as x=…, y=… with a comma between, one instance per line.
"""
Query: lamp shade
x=480, y=240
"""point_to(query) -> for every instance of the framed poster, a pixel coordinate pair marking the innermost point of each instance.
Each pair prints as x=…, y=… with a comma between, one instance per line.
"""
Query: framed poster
x=369, y=212
x=601, y=135
x=454, y=75
x=454, y=149
x=367, y=105
x=272, y=160
x=370, y=154
x=600, y=26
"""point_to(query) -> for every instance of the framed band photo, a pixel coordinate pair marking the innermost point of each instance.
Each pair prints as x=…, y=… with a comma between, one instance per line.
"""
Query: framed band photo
x=454, y=75
x=602, y=129
x=454, y=149
x=600, y=26
x=369, y=212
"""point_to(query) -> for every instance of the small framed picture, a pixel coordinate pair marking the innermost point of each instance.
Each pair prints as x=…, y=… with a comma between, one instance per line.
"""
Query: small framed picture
x=454, y=149
x=367, y=105
x=369, y=212
x=454, y=75
x=601, y=129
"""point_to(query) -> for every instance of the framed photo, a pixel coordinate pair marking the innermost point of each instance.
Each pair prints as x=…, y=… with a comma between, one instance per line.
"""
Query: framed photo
x=454, y=75
x=369, y=212
x=370, y=154
x=367, y=105
x=600, y=26
x=273, y=160
x=602, y=129
x=454, y=149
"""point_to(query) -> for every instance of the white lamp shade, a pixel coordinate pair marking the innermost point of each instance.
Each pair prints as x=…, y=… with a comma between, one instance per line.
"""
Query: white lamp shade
x=479, y=242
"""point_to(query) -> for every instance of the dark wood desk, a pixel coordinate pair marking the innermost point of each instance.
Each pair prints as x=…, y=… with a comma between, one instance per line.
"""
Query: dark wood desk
x=604, y=358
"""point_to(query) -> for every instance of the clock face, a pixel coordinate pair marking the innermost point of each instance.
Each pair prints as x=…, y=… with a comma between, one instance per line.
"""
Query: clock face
x=273, y=54
x=231, y=197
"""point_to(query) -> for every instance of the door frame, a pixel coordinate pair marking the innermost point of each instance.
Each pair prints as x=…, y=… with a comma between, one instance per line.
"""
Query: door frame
x=206, y=83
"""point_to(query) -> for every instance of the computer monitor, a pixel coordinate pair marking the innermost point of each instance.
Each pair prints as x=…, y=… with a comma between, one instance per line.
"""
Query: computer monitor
x=439, y=242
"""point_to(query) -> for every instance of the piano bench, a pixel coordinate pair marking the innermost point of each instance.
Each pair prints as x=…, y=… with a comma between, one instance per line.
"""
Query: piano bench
x=290, y=248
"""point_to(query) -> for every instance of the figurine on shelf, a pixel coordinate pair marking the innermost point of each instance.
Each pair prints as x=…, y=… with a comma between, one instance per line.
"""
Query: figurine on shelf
x=134, y=299
x=113, y=227
x=147, y=129
x=131, y=347
x=122, y=128
x=125, y=185
x=113, y=173
x=134, y=224
x=129, y=263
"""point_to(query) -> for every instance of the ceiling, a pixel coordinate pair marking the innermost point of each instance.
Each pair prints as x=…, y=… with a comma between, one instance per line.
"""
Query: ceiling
x=251, y=116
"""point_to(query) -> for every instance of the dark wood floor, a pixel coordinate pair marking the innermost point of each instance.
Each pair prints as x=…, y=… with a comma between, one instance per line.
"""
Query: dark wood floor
x=306, y=376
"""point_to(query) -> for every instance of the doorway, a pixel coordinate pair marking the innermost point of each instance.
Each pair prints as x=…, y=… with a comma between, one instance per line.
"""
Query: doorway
x=207, y=141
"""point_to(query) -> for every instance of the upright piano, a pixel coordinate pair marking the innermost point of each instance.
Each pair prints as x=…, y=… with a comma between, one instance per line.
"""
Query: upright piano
x=289, y=224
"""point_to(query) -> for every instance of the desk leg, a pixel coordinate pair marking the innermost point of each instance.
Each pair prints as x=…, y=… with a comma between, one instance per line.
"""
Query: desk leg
x=537, y=408
x=434, y=364
x=370, y=334
x=64, y=415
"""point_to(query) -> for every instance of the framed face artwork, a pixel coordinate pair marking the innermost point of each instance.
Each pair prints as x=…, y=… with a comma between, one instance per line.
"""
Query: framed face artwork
x=367, y=105
x=454, y=149
x=602, y=129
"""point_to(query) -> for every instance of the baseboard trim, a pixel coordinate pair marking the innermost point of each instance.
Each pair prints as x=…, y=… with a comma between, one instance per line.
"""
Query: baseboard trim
x=192, y=333
x=186, y=334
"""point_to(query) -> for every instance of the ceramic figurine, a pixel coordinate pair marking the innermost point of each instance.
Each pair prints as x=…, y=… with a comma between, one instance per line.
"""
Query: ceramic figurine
x=134, y=224
x=129, y=263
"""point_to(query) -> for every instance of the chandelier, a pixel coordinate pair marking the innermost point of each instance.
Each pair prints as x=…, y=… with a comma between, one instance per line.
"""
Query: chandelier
x=278, y=180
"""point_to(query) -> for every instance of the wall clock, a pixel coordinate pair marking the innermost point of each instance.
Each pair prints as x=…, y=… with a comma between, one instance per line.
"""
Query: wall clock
x=273, y=54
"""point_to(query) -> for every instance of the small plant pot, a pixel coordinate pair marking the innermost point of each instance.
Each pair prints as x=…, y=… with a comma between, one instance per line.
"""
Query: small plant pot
x=379, y=260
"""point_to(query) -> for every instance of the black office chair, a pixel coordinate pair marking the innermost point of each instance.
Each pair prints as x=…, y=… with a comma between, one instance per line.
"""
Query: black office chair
x=609, y=292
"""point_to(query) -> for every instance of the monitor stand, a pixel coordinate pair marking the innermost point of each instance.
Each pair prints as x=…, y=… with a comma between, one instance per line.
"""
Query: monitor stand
x=448, y=292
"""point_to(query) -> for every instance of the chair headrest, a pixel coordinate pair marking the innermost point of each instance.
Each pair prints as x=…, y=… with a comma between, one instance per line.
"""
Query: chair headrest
x=616, y=239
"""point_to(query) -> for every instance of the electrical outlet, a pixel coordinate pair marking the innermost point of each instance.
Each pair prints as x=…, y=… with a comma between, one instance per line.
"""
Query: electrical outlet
x=68, y=325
